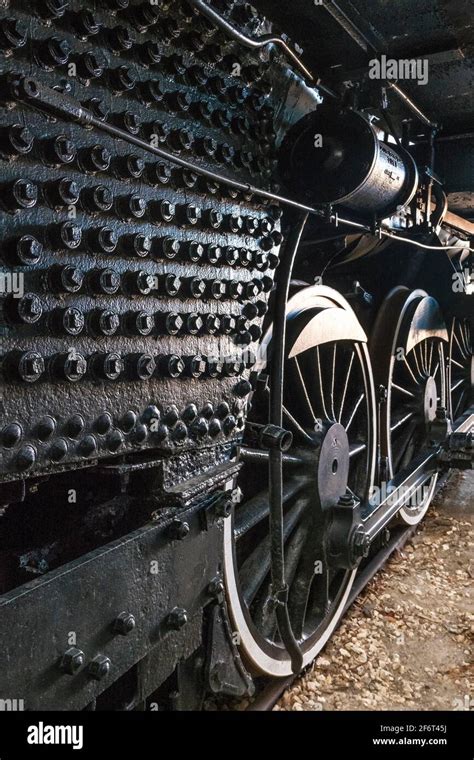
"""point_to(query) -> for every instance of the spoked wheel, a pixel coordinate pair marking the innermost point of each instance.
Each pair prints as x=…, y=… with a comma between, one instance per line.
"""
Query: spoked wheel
x=329, y=406
x=408, y=359
x=461, y=366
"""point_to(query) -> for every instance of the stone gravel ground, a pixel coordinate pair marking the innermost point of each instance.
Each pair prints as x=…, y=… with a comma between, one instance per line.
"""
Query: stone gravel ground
x=406, y=644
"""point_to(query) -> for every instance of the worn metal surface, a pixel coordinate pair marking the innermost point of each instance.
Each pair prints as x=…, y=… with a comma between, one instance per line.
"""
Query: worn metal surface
x=129, y=296
x=146, y=574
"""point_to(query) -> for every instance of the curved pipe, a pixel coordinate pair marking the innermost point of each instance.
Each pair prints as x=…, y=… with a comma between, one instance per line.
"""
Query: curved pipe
x=250, y=42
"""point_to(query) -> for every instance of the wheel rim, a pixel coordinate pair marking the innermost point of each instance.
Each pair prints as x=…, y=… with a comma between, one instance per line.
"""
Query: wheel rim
x=408, y=358
x=329, y=406
x=461, y=366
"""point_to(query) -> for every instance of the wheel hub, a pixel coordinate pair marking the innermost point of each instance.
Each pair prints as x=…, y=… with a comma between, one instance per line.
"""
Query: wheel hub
x=430, y=400
x=333, y=465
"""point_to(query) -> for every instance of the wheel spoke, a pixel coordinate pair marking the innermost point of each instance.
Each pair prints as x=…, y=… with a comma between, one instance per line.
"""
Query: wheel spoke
x=321, y=386
x=253, y=511
x=459, y=382
x=356, y=408
x=461, y=351
x=459, y=404
x=333, y=377
x=262, y=608
x=403, y=444
x=296, y=425
x=257, y=565
x=430, y=361
x=426, y=344
x=346, y=383
x=305, y=391
x=466, y=339
x=401, y=422
x=410, y=370
x=417, y=362
x=405, y=391
x=313, y=552
x=356, y=448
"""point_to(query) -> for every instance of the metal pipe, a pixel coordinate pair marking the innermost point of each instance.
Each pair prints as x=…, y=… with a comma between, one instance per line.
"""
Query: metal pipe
x=412, y=106
x=275, y=469
x=261, y=42
x=257, y=456
x=38, y=95
x=348, y=25
x=250, y=42
x=429, y=188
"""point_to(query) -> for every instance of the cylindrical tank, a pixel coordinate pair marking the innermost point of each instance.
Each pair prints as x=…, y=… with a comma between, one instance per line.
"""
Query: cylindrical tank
x=336, y=157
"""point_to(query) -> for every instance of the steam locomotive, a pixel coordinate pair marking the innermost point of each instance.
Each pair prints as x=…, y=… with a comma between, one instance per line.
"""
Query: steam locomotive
x=236, y=330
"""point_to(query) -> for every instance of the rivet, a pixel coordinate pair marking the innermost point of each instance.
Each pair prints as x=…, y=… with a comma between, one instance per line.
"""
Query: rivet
x=75, y=426
x=11, y=435
x=72, y=661
x=45, y=428
x=139, y=434
x=114, y=441
x=178, y=530
x=179, y=432
x=87, y=446
x=103, y=423
x=127, y=423
x=58, y=450
x=25, y=458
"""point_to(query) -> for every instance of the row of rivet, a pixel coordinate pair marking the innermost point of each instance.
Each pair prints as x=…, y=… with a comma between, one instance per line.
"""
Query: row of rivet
x=31, y=366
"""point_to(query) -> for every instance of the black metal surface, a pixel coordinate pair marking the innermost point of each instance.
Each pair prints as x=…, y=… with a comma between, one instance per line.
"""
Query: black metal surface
x=145, y=574
x=145, y=280
x=129, y=296
x=438, y=30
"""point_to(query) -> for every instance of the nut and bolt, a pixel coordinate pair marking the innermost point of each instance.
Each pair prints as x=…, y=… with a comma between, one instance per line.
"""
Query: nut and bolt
x=177, y=618
x=72, y=661
x=99, y=667
x=124, y=623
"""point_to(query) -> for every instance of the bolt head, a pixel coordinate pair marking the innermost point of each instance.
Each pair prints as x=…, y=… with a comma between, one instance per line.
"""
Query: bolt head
x=124, y=623
x=361, y=543
x=216, y=587
x=72, y=661
x=177, y=619
x=178, y=530
x=99, y=667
